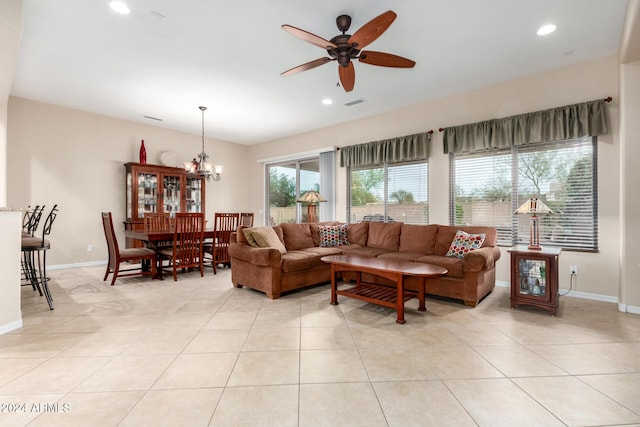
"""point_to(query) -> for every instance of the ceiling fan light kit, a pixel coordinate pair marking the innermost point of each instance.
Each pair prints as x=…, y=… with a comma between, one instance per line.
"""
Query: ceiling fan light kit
x=345, y=47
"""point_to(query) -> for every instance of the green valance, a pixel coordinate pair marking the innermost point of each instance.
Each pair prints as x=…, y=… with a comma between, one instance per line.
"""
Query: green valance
x=400, y=149
x=556, y=124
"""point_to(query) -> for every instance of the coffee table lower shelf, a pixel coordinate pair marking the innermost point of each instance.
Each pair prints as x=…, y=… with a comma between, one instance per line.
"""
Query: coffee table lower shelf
x=376, y=294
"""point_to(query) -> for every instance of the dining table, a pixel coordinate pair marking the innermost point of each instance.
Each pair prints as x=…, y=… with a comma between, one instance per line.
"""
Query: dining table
x=154, y=239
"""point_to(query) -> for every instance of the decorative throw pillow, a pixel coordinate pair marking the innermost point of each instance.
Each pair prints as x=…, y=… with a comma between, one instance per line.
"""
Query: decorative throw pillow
x=264, y=237
x=464, y=242
x=333, y=235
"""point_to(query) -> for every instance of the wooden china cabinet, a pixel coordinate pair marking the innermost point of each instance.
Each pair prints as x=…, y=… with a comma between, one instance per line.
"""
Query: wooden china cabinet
x=159, y=189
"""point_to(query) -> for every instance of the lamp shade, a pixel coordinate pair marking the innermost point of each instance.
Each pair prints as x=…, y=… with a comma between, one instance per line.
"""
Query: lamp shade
x=534, y=206
x=311, y=196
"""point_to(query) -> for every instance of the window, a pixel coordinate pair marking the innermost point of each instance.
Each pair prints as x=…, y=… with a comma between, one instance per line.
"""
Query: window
x=393, y=192
x=487, y=187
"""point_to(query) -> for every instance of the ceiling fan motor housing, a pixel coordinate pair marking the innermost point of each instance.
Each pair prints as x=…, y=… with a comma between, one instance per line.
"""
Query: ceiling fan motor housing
x=344, y=52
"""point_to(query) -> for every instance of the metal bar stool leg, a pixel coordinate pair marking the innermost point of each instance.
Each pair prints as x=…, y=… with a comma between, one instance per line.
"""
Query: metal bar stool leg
x=43, y=279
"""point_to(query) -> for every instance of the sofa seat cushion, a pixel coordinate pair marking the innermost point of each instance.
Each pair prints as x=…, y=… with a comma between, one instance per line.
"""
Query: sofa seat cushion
x=454, y=265
x=294, y=261
x=365, y=251
x=297, y=236
x=402, y=256
x=323, y=251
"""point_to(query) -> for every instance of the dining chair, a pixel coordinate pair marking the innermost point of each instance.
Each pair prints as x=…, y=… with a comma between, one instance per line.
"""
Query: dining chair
x=117, y=256
x=188, y=236
x=156, y=221
x=223, y=225
x=34, y=257
x=246, y=219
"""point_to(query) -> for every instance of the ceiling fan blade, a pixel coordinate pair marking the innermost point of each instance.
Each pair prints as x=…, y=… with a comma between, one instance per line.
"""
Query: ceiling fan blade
x=347, y=76
x=309, y=37
x=307, y=66
x=385, y=59
x=372, y=30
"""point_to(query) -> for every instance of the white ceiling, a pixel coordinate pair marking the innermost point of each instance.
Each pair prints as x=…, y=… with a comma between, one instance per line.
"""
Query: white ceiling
x=168, y=57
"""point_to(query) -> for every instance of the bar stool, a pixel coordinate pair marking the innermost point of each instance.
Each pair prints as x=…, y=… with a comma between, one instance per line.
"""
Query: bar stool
x=34, y=257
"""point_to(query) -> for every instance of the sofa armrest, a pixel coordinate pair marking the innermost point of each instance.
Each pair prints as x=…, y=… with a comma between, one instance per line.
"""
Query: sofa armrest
x=481, y=259
x=263, y=257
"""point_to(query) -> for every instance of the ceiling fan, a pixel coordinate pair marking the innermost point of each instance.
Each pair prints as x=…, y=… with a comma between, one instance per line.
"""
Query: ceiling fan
x=345, y=47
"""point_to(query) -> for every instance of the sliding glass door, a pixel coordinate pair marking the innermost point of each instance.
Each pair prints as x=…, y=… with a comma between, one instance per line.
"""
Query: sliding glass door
x=286, y=182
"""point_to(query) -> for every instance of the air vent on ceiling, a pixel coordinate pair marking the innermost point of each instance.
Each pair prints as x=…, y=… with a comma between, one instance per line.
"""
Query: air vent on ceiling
x=153, y=118
x=355, y=102
x=156, y=14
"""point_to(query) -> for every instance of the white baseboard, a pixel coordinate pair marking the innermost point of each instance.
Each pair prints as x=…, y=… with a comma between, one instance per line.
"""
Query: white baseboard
x=586, y=295
x=10, y=327
x=628, y=308
x=76, y=265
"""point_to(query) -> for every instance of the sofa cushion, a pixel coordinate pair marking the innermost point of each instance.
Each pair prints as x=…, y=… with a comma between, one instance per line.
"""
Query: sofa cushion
x=264, y=237
x=297, y=236
x=402, y=256
x=446, y=233
x=384, y=235
x=454, y=265
x=335, y=250
x=315, y=230
x=357, y=233
x=464, y=242
x=300, y=260
x=418, y=238
x=240, y=237
x=365, y=251
x=333, y=235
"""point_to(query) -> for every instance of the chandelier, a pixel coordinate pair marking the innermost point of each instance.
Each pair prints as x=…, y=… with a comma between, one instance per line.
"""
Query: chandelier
x=201, y=168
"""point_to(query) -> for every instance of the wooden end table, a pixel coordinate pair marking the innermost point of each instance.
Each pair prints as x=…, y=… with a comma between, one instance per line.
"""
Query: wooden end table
x=534, y=277
x=391, y=269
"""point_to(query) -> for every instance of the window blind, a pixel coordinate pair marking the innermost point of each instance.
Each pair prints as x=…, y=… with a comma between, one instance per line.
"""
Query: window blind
x=487, y=187
x=389, y=193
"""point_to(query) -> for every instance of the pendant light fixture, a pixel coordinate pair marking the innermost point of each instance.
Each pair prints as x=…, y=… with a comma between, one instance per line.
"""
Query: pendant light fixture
x=201, y=168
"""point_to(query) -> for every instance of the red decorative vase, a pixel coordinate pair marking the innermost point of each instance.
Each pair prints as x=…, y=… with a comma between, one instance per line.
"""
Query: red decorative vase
x=143, y=153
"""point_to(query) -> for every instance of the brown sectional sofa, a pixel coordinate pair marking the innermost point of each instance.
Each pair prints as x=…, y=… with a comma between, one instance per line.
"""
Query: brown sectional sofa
x=268, y=270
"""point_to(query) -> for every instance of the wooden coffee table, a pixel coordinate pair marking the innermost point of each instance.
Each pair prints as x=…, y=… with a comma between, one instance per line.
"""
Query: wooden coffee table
x=391, y=269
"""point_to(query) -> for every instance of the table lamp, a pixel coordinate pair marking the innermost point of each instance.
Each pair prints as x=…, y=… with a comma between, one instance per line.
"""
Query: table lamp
x=311, y=198
x=534, y=206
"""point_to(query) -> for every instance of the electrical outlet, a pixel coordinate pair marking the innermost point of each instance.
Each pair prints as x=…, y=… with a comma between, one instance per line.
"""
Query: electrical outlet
x=573, y=269
x=89, y=248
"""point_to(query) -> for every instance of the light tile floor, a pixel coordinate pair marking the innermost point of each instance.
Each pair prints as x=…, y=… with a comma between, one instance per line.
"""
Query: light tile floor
x=198, y=352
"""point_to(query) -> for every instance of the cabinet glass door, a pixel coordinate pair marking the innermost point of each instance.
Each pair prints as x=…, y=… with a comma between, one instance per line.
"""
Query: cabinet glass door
x=147, y=193
x=194, y=187
x=532, y=275
x=171, y=194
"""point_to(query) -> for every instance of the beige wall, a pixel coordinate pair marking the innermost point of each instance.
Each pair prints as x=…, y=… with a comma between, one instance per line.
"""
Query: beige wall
x=75, y=159
x=598, y=272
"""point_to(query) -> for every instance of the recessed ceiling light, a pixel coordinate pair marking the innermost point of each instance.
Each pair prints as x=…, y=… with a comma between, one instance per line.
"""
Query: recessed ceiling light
x=119, y=7
x=546, y=29
x=327, y=101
